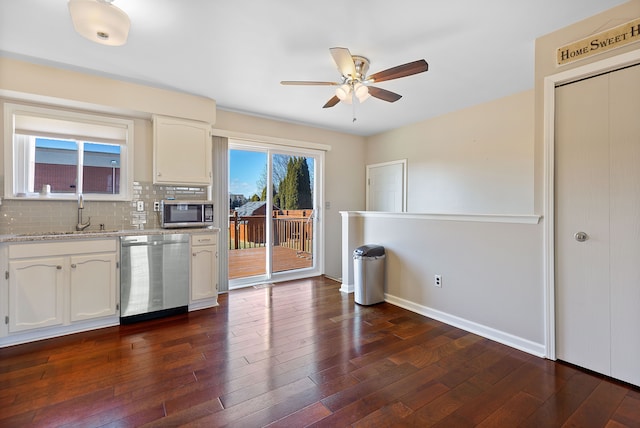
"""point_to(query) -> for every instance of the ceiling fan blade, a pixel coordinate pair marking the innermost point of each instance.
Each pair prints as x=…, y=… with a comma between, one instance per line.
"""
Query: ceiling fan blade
x=404, y=70
x=333, y=101
x=383, y=94
x=308, y=82
x=343, y=59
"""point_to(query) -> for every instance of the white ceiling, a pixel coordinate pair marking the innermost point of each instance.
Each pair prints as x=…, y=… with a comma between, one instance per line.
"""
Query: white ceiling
x=237, y=51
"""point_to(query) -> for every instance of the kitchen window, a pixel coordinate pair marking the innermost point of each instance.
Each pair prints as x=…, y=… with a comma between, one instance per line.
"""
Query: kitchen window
x=56, y=154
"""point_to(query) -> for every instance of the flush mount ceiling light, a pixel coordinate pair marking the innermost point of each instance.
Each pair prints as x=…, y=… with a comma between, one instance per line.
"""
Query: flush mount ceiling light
x=100, y=21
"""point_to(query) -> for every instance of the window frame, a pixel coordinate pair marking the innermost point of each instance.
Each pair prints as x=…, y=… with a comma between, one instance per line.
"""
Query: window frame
x=10, y=162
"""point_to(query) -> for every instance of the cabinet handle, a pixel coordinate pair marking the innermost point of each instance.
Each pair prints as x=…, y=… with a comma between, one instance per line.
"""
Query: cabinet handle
x=73, y=265
x=59, y=267
x=194, y=254
x=204, y=240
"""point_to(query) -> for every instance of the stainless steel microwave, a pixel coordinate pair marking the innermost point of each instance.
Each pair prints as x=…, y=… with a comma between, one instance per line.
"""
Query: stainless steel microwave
x=178, y=213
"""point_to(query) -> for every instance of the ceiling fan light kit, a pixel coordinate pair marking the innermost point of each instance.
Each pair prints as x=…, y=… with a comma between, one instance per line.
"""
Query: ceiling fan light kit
x=100, y=21
x=347, y=91
x=355, y=84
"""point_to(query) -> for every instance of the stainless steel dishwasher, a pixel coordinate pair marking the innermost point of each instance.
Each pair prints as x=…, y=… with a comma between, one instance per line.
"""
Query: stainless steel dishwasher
x=154, y=276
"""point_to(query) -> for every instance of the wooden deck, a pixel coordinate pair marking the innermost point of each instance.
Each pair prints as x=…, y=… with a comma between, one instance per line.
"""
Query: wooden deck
x=251, y=261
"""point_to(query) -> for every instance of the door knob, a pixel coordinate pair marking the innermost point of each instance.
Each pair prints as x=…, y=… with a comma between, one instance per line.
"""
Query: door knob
x=581, y=236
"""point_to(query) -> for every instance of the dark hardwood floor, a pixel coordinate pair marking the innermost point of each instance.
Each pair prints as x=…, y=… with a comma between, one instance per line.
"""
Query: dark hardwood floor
x=293, y=355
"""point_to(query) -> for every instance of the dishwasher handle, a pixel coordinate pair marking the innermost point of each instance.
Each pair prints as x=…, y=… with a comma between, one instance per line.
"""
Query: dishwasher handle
x=153, y=240
x=148, y=243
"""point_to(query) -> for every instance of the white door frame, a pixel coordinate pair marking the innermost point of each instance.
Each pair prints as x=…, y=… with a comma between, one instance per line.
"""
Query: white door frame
x=550, y=83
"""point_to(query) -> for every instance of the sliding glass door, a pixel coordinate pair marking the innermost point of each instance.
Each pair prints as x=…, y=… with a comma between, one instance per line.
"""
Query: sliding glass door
x=247, y=221
x=274, y=232
x=292, y=216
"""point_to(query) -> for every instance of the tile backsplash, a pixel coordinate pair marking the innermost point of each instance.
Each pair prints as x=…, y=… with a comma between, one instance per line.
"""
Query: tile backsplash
x=28, y=216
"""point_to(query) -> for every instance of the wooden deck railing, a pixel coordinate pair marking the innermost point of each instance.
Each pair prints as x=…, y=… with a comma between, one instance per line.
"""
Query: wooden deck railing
x=292, y=230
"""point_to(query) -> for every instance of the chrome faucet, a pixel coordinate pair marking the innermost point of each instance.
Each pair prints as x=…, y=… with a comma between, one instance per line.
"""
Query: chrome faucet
x=81, y=226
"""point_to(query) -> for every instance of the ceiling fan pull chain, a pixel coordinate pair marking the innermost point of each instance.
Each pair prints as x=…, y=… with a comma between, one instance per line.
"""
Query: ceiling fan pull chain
x=353, y=104
x=354, y=108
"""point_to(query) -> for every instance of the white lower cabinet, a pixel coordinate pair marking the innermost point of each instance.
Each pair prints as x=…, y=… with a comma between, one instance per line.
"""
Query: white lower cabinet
x=35, y=293
x=204, y=270
x=60, y=287
x=93, y=284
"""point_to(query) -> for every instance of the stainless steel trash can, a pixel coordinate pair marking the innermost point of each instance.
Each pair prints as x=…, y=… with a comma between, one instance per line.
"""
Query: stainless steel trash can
x=369, y=272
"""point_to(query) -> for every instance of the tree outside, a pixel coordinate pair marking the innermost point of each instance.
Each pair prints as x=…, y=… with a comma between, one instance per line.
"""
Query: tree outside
x=295, y=189
x=292, y=183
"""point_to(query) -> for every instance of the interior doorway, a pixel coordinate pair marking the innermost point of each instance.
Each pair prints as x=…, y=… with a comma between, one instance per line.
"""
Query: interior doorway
x=274, y=228
x=387, y=187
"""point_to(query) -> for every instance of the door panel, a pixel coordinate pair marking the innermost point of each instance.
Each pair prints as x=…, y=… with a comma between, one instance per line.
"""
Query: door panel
x=625, y=224
x=598, y=192
x=582, y=184
x=385, y=187
x=293, y=224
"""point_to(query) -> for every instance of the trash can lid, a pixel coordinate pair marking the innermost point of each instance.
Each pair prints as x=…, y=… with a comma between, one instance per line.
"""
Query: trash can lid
x=369, y=251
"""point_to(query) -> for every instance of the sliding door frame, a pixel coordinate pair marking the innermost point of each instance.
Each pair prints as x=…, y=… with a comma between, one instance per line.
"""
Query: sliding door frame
x=302, y=149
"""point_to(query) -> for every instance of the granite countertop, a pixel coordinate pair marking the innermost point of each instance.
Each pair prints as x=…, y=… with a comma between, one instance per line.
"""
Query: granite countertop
x=96, y=234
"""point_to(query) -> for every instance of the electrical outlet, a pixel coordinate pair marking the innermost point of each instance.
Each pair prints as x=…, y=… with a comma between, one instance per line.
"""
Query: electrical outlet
x=140, y=205
x=437, y=280
x=156, y=206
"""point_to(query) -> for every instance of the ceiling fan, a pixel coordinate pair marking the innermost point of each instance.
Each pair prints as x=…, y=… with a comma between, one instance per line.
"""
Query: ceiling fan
x=356, y=84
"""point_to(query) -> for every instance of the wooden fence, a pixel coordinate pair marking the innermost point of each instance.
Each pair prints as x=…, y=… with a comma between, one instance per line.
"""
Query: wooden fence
x=291, y=229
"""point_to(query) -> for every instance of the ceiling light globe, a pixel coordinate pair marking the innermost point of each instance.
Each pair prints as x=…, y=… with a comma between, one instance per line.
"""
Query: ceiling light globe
x=361, y=91
x=100, y=21
x=343, y=92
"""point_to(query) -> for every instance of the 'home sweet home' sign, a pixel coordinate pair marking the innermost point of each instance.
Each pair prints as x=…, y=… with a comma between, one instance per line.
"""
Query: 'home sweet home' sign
x=611, y=39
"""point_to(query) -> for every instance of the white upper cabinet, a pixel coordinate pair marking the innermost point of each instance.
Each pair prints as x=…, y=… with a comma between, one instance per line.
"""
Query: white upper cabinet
x=181, y=152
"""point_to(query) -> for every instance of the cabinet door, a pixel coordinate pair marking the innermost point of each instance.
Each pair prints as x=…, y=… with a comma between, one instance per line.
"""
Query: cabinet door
x=93, y=286
x=204, y=272
x=36, y=293
x=181, y=151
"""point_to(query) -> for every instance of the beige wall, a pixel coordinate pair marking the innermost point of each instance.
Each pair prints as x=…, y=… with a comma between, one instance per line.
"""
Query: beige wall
x=89, y=92
x=474, y=161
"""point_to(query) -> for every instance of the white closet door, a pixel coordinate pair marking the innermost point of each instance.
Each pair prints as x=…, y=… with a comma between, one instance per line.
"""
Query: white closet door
x=582, y=195
x=598, y=193
x=625, y=224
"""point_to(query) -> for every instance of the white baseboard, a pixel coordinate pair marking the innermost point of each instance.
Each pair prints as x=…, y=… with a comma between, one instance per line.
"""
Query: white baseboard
x=203, y=304
x=508, y=339
x=332, y=277
x=347, y=288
